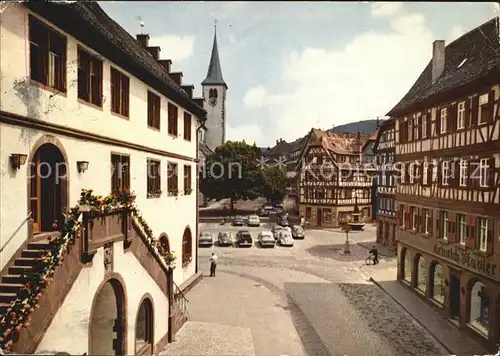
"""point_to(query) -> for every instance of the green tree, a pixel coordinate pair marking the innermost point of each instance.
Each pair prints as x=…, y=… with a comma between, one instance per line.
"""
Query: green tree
x=232, y=172
x=274, y=184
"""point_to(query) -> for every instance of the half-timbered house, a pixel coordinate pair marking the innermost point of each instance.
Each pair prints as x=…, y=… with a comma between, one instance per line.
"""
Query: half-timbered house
x=369, y=159
x=86, y=106
x=447, y=131
x=386, y=185
x=332, y=177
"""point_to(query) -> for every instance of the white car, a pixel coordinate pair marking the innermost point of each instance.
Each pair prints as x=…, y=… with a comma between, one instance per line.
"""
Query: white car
x=285, y=238
x=276, y=231
x=253, y=220
x=266, y=239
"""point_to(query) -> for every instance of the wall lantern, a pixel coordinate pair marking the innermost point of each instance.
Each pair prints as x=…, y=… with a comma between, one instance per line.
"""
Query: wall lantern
x=82, y=166
x=17, y=160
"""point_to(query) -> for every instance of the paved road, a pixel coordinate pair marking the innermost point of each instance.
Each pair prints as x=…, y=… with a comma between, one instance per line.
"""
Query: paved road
x=332, y=307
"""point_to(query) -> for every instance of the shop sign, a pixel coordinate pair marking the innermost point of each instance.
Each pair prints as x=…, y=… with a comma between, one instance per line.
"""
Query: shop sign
x=467, y=259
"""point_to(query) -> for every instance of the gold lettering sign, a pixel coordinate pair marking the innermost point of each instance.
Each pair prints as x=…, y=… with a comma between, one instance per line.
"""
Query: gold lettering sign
x=467, y=259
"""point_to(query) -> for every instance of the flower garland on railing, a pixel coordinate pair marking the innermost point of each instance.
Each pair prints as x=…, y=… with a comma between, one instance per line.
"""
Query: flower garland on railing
x=41, y=275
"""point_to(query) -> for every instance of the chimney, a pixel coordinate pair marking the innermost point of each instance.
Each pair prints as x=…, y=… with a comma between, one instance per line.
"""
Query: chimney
x=188, y=89
x=438, y=59
x=143, y=40
x=377, y=121
x=155, y=51
x=166, y=63
x=199, y=101
x=176, y=77
x=277, y=141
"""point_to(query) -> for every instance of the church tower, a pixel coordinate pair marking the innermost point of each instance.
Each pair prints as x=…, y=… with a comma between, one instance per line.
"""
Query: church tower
x=214, y=95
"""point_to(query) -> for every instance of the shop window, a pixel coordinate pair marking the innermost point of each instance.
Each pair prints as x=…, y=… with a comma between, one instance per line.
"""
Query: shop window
x=479, y=308
x=437, y=292
x=421, y=274
x=406, y=264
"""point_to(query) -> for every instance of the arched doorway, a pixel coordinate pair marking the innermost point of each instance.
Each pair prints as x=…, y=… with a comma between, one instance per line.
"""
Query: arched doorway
x=108, y=320
x=187, y=247
x=144, y=328
x=405, y=265
x=48, y=187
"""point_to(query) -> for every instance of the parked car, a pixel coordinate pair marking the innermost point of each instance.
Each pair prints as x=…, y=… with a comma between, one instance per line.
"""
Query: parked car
x=279, y=209
x=253, y=220
x=238, y=221
x=224, y=239
x=266, y=239
x=298, y=232
x=205, y=240
x=276, y=231
x=283, y=220
x=244, y=238
x=285, y=238
x=267, y=211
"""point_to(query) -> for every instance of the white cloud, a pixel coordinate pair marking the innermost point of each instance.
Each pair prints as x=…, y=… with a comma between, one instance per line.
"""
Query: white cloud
x=386, y=9
x=255, y=97
x=249, y=133
x=175, y=48
x=363, y=80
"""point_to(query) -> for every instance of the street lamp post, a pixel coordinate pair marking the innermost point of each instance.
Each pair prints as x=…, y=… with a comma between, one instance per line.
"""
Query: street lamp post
x=347, y=247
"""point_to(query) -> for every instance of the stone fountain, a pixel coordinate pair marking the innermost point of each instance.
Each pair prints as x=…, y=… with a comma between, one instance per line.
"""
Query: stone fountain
x=356, y=225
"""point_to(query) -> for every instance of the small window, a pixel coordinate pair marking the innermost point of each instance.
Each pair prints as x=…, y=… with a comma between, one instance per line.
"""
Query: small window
x=444, y=225
x=463, y=173
x=462, y=228
x=120, y=176
x=187, y=126
x=120, y=91
x=482, y=232
x=172, y=119
x=461, y=116
x=424, y=126
x=47, y=55
x=154, y=110
x=483, y=172
x=483, y=114
x=187, y=179
x=89, y=78
x=444, y=119
x=153, y=178
x=426, y=220
x=445, y=179
x=173, y=179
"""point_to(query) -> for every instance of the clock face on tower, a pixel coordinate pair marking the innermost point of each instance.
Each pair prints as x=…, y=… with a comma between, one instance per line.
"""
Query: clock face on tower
x=212, y=101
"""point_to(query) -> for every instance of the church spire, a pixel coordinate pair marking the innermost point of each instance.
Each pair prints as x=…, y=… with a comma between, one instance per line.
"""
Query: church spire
x=214, y=73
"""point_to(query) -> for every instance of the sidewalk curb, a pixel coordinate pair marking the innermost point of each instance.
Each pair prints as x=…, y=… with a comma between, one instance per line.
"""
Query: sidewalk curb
x=414, y=317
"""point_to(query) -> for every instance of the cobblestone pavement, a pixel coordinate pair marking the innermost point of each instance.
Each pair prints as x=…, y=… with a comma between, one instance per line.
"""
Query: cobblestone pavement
x=333, y=307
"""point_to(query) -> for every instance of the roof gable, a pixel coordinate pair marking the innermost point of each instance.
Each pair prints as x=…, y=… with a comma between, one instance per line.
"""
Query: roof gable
x=479, y=48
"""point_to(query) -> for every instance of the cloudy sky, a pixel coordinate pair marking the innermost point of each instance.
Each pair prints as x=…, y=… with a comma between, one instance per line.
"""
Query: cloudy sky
x=291, y=66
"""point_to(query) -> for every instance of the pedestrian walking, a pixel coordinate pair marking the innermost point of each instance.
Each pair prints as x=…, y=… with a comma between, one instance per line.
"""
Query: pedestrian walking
x=213, y=264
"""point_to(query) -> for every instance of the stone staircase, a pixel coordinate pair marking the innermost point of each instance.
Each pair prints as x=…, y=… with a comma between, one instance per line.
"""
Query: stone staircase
x=12, y=282
x=180, y=312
